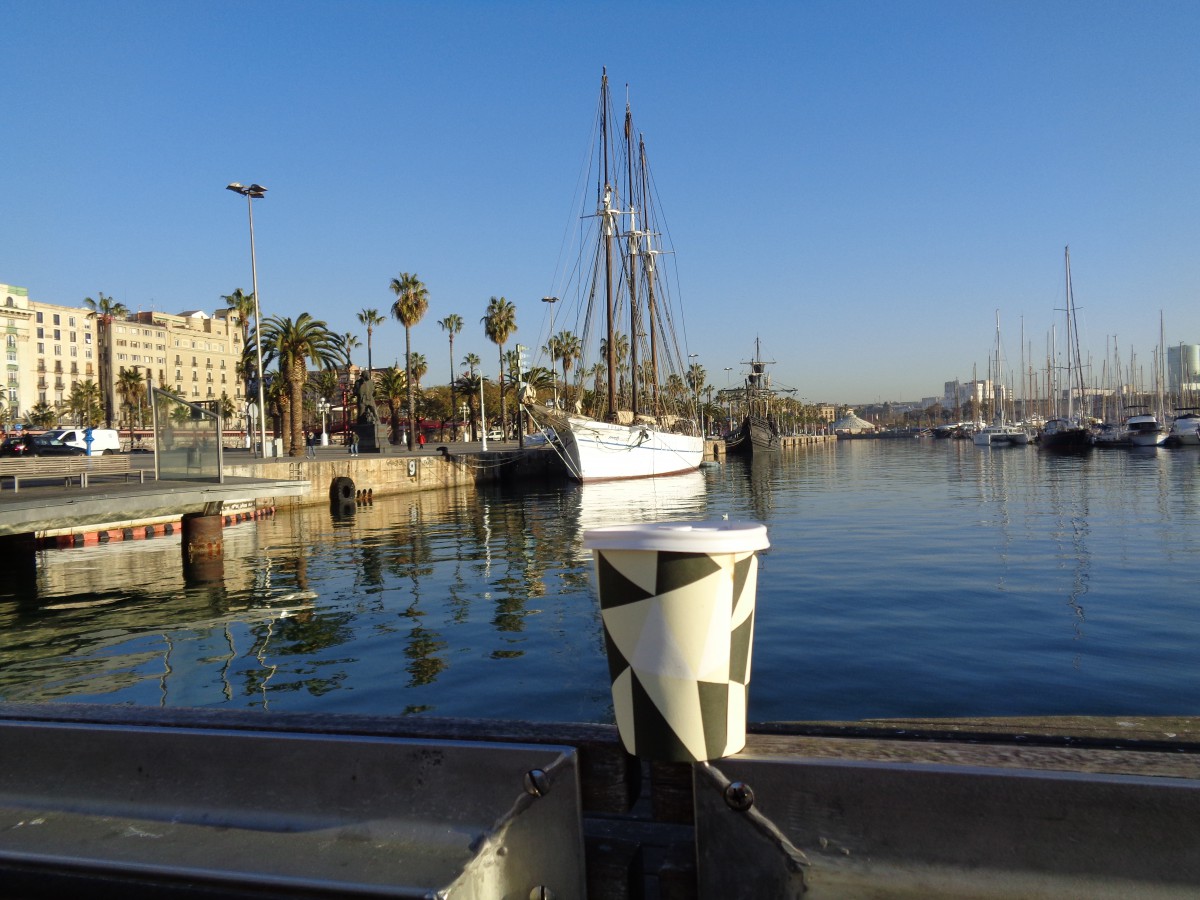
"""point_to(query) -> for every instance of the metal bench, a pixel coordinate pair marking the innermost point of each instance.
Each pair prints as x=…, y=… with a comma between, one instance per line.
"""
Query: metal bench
x=67, y=468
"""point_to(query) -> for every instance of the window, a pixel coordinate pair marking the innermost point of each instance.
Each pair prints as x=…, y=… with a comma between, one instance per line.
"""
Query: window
x=11, y=340
x=74, y=336
x=74, y=350
x=41, y=348
x=57, y=333
x=58, y=350
x=41, y=332
x=87, y=337
x=39, y=317
x=57, y=319
x=71, y=322
x=88, y=353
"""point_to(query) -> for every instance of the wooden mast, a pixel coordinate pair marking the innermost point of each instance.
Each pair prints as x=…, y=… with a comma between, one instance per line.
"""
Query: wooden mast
x=608, y=216
x=633, y=255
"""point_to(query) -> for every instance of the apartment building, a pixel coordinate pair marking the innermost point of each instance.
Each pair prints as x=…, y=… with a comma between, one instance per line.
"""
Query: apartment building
x=49, y=348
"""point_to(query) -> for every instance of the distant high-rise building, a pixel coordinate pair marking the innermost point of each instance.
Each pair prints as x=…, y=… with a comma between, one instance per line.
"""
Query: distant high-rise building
x=1183, y=369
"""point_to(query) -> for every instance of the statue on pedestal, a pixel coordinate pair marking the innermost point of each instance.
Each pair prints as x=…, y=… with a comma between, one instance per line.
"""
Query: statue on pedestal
x=364, y=396
x=368, y=429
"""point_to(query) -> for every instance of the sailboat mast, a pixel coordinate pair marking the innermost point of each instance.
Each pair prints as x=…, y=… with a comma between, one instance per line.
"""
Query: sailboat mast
x=1070, y=368
x=651, y=312
x=633, y=255
x=608, y=217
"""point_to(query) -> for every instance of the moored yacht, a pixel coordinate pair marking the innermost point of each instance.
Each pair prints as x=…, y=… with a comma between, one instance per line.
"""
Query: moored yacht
x=1185, y=430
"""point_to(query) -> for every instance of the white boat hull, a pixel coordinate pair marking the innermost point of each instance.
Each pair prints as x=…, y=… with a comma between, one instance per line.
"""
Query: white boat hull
x=602, y=451
x=1185, y=430
x=1000, y=435
x=1147, y=438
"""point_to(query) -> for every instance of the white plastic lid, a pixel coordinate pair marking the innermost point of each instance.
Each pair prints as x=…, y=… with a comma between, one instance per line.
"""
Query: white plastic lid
x=679, y=537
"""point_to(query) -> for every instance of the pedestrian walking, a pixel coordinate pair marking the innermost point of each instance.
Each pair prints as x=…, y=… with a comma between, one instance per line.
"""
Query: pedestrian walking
x=310, y=445
x=354, y=443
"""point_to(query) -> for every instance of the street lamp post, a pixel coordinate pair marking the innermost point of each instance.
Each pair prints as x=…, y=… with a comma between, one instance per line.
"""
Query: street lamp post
x=553, y=377
x=252, y=193
x=323, y=406
x=466, y=428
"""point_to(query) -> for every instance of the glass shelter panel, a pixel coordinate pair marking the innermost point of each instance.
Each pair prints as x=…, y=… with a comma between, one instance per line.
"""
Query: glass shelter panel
x=187, y=439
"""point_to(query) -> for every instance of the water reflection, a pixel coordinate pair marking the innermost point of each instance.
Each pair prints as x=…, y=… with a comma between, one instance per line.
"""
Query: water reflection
x=929, y=578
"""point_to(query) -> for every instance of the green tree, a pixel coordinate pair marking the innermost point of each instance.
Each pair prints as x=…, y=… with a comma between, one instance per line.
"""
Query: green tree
x=40, y=415
x=370, y=319
x=84, y=403
x=452, y=325
x=393, y=386
x=412, y=300
x=131, y=391
x=499, y=324
x=104, y=311
x=565, y=346
x=294, y=344
x=468, y=385
x=243, y=305
x=347, y=344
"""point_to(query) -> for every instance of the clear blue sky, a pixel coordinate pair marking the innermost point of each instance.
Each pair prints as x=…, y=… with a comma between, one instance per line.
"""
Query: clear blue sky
x=861, y=184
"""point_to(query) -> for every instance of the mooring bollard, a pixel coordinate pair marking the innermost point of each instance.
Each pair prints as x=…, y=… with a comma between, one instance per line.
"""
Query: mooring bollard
x=677, y=602
x=203, y=546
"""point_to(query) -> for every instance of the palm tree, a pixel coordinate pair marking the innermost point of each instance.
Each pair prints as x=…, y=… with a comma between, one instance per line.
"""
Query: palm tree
x=293, y=344
x=84, y=403
x=393, y=385
x=418, y=367
x=412, y=299
x=469, y=384
x=104, y=311
x=347, y=343
x=243, y=304
x=40, y=415
x=569, y=348
x=371, y=319
x=471, y=361
x=499, y=324
x=452, y=325
x=129, y=389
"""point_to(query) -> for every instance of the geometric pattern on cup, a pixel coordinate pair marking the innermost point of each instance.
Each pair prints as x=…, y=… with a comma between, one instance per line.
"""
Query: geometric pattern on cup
x=678, y=628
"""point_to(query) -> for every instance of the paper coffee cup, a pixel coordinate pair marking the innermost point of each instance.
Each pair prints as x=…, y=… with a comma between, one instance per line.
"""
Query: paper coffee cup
x=677, y=601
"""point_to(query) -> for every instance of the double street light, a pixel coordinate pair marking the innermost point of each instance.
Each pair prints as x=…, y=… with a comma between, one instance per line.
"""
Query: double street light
x=252, y=193
x=550, y=343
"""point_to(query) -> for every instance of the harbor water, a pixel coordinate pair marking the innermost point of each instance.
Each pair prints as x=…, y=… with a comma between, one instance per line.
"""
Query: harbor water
x=905, y=578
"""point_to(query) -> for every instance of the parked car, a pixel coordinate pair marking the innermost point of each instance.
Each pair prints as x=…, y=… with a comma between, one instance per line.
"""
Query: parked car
x=104, y=440
x=38, y=445
x=495, y=435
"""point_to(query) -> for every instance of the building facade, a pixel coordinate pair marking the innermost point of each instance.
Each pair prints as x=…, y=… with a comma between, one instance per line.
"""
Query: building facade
x=50, y=348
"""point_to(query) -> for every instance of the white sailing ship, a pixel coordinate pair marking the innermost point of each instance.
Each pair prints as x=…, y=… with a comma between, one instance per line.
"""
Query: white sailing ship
x=638, y=417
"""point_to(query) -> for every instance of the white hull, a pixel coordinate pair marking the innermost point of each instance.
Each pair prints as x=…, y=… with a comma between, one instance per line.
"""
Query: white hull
x=1000, y=435
x=601, y=451
x=1145, y=431
x=1147, y=438
x=1185, y=430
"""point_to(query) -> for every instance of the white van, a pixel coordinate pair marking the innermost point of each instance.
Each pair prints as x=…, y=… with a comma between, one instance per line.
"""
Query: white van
x=104, y=440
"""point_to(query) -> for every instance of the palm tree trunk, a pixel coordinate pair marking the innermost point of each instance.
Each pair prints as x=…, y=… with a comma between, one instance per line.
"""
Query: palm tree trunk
x=296, y=379
x=503, y=405
x=408, y=386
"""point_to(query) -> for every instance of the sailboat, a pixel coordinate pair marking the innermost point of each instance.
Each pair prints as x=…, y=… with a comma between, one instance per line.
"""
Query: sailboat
x=758, y=432
x=1068, y=434
x=639, y=419
x=1000, y=433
